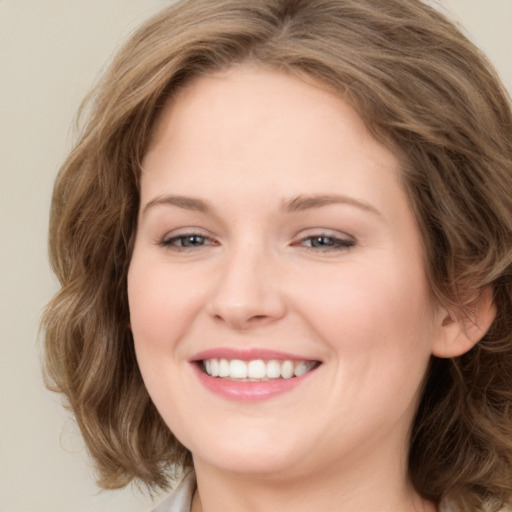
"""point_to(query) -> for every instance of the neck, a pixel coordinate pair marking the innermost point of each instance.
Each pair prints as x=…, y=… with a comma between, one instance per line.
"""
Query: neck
x=365, y=489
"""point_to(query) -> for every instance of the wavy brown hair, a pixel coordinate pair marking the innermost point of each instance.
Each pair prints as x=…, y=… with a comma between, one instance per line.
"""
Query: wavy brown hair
x=425, y=91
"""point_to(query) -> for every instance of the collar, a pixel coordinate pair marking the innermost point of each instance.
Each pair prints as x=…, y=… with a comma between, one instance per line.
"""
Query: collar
x=180, y=499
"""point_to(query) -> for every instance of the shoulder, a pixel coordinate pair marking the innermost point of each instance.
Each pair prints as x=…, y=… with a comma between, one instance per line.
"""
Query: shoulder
x=180, y=499
x=445, y=507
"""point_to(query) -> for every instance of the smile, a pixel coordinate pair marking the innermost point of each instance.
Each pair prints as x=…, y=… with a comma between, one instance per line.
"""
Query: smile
x=256, y=370
x=249, y=375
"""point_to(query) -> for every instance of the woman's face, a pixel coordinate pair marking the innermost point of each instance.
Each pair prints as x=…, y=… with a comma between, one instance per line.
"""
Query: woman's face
x=274, y=237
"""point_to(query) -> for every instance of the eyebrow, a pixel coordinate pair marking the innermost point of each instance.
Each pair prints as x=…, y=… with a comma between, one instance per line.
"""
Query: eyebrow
x=306, y=202
x=296, y=204
x=188, y=203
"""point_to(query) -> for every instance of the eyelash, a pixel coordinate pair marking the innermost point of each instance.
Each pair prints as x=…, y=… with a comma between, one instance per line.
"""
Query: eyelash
x=326, y=243
x=175, y=243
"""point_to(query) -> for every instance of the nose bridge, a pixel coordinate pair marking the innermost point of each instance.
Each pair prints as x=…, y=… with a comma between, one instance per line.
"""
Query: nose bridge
x=247, y=291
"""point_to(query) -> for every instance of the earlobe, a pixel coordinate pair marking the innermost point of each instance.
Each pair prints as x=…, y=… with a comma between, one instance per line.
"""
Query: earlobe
x=460, y=332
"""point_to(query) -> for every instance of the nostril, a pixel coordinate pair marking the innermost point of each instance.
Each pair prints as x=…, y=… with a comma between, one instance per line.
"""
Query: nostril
x=258, y=317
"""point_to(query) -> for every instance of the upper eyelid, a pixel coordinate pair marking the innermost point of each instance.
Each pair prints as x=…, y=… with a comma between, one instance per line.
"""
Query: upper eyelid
x=342, y=240
x=187, y=231
x=327, y=232
x=302, y=235
x=168, y=238
x=345, y=240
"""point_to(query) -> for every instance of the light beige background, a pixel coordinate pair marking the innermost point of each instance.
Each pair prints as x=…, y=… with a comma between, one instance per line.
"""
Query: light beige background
x=50, y=53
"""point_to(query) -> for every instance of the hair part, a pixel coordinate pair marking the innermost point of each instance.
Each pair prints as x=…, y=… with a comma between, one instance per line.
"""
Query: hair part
x=442, y=111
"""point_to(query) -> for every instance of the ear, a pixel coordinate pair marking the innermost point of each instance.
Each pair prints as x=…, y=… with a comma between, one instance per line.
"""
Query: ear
x=458, y=332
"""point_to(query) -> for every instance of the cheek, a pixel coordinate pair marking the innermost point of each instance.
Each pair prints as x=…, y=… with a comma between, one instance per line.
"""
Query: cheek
x=162, y=304
x=365, y=296
x=375, y=320
x=160, y=311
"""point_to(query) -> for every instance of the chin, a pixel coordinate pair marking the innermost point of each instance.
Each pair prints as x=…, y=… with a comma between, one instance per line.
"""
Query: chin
x=255, y=453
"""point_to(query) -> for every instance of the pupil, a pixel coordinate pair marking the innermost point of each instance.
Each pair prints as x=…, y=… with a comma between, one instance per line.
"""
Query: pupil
x=321, y=241
x=191, y=241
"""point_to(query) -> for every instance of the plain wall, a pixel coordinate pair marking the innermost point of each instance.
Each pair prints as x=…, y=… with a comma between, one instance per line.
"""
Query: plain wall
x=50, y=53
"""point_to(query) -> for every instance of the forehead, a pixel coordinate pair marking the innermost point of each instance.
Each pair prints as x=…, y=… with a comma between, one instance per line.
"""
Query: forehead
x=249, y=138
x=248, y=105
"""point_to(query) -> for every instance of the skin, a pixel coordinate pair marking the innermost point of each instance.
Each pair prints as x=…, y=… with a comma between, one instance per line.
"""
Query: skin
x=246, y=141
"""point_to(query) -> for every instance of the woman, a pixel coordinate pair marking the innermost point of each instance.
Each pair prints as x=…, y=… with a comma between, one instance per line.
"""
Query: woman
x=284, y=242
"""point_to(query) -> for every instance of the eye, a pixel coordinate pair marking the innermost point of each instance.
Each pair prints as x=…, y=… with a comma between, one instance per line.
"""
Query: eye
x=326, y=242
x=186, y=241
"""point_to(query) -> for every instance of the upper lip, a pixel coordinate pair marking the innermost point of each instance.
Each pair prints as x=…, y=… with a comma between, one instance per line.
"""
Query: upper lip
x=247, y=355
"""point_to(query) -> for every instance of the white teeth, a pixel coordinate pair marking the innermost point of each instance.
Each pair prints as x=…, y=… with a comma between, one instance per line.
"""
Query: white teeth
x=214, y=365
x=301, y=368
x=223, y=368
x=287, y=369
x=237, y=369
x=256, y=369
x=273, y=370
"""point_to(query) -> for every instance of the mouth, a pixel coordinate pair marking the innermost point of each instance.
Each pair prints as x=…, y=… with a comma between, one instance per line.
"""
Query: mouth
x=251, y=375
x=256, y=370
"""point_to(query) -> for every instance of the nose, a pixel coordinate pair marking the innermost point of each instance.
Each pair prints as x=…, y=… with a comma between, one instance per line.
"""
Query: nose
x=247, y=292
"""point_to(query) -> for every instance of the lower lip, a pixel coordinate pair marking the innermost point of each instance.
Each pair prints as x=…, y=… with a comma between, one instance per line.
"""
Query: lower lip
x=249, y=391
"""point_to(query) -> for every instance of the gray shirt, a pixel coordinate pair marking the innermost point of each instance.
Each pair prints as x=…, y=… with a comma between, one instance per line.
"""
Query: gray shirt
x=180, y=500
